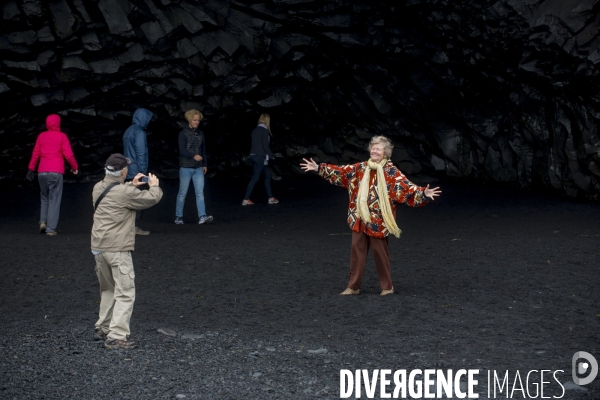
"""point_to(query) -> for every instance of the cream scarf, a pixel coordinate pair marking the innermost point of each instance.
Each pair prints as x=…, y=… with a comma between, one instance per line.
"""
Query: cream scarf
x=362, y=208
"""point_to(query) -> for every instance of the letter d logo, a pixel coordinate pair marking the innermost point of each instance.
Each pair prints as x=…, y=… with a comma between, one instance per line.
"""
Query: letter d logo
x=591, y=366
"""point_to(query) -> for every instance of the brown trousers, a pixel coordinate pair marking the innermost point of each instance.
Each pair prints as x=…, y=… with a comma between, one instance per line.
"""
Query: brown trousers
x=361, y=243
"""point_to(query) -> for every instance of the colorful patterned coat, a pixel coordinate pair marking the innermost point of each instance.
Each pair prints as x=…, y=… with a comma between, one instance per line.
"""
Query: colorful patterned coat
x=400, y=190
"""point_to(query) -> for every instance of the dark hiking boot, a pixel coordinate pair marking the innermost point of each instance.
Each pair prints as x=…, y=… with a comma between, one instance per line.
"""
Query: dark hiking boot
x=116, y=344
x=100, y=335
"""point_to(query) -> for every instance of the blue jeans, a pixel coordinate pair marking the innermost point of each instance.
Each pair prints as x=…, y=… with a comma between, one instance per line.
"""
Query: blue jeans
x=185, y=176
x=259, y=167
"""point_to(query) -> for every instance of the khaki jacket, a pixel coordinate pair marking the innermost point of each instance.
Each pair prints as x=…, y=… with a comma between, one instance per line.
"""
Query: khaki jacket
x=114, y=219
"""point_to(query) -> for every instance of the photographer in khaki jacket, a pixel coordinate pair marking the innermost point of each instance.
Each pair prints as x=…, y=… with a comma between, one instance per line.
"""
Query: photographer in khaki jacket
x=113, y=240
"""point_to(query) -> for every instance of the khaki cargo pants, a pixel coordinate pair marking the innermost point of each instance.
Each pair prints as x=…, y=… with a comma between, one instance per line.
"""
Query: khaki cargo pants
x=117, y=293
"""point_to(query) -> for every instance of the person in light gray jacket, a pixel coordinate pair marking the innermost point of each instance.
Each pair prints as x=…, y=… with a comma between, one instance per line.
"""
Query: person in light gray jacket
x=113, y=240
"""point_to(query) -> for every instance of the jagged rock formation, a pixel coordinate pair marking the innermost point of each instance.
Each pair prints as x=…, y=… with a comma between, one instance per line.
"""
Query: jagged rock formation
x=501, y=91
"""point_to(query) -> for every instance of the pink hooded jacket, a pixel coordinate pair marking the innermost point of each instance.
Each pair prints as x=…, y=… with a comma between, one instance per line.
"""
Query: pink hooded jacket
x=50, y=148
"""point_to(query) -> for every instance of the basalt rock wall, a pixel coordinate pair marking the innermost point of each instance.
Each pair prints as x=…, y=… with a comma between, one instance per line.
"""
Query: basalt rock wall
x=492, y=91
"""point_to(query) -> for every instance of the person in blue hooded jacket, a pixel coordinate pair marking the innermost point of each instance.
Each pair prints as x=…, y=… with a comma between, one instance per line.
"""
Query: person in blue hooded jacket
x=135, y=147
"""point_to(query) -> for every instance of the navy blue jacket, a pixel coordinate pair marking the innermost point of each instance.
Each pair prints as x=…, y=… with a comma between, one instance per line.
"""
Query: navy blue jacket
x=191, y=142
x=260, y=143
x=135, y=146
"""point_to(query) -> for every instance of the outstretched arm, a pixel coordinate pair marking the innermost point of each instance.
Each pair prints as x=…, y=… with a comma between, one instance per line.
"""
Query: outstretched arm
x=309, y=165
x=431, y=193
x=337, y=175
x=404, y=191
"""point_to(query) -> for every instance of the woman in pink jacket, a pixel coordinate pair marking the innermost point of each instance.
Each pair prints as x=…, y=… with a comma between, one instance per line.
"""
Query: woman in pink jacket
x=50, y=149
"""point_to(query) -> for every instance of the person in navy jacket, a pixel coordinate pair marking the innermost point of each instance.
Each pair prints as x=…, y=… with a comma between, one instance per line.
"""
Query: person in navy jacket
x=135, y=147
x=192, y=166
x=260, y=154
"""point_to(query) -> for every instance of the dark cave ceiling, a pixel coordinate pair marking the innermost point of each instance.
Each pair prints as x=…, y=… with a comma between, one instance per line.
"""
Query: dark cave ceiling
x=487, y=91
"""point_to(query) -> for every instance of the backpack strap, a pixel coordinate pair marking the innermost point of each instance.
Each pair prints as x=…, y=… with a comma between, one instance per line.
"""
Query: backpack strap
x=112, y=185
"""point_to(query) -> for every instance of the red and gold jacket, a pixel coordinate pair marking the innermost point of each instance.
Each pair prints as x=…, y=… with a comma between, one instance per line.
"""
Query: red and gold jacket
x=400, y=190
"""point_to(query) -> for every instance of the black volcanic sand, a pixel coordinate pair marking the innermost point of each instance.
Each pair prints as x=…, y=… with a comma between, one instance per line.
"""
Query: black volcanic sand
x=487, y=279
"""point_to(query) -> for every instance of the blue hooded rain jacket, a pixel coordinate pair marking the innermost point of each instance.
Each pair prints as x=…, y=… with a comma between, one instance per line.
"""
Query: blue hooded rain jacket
x=135, y=146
